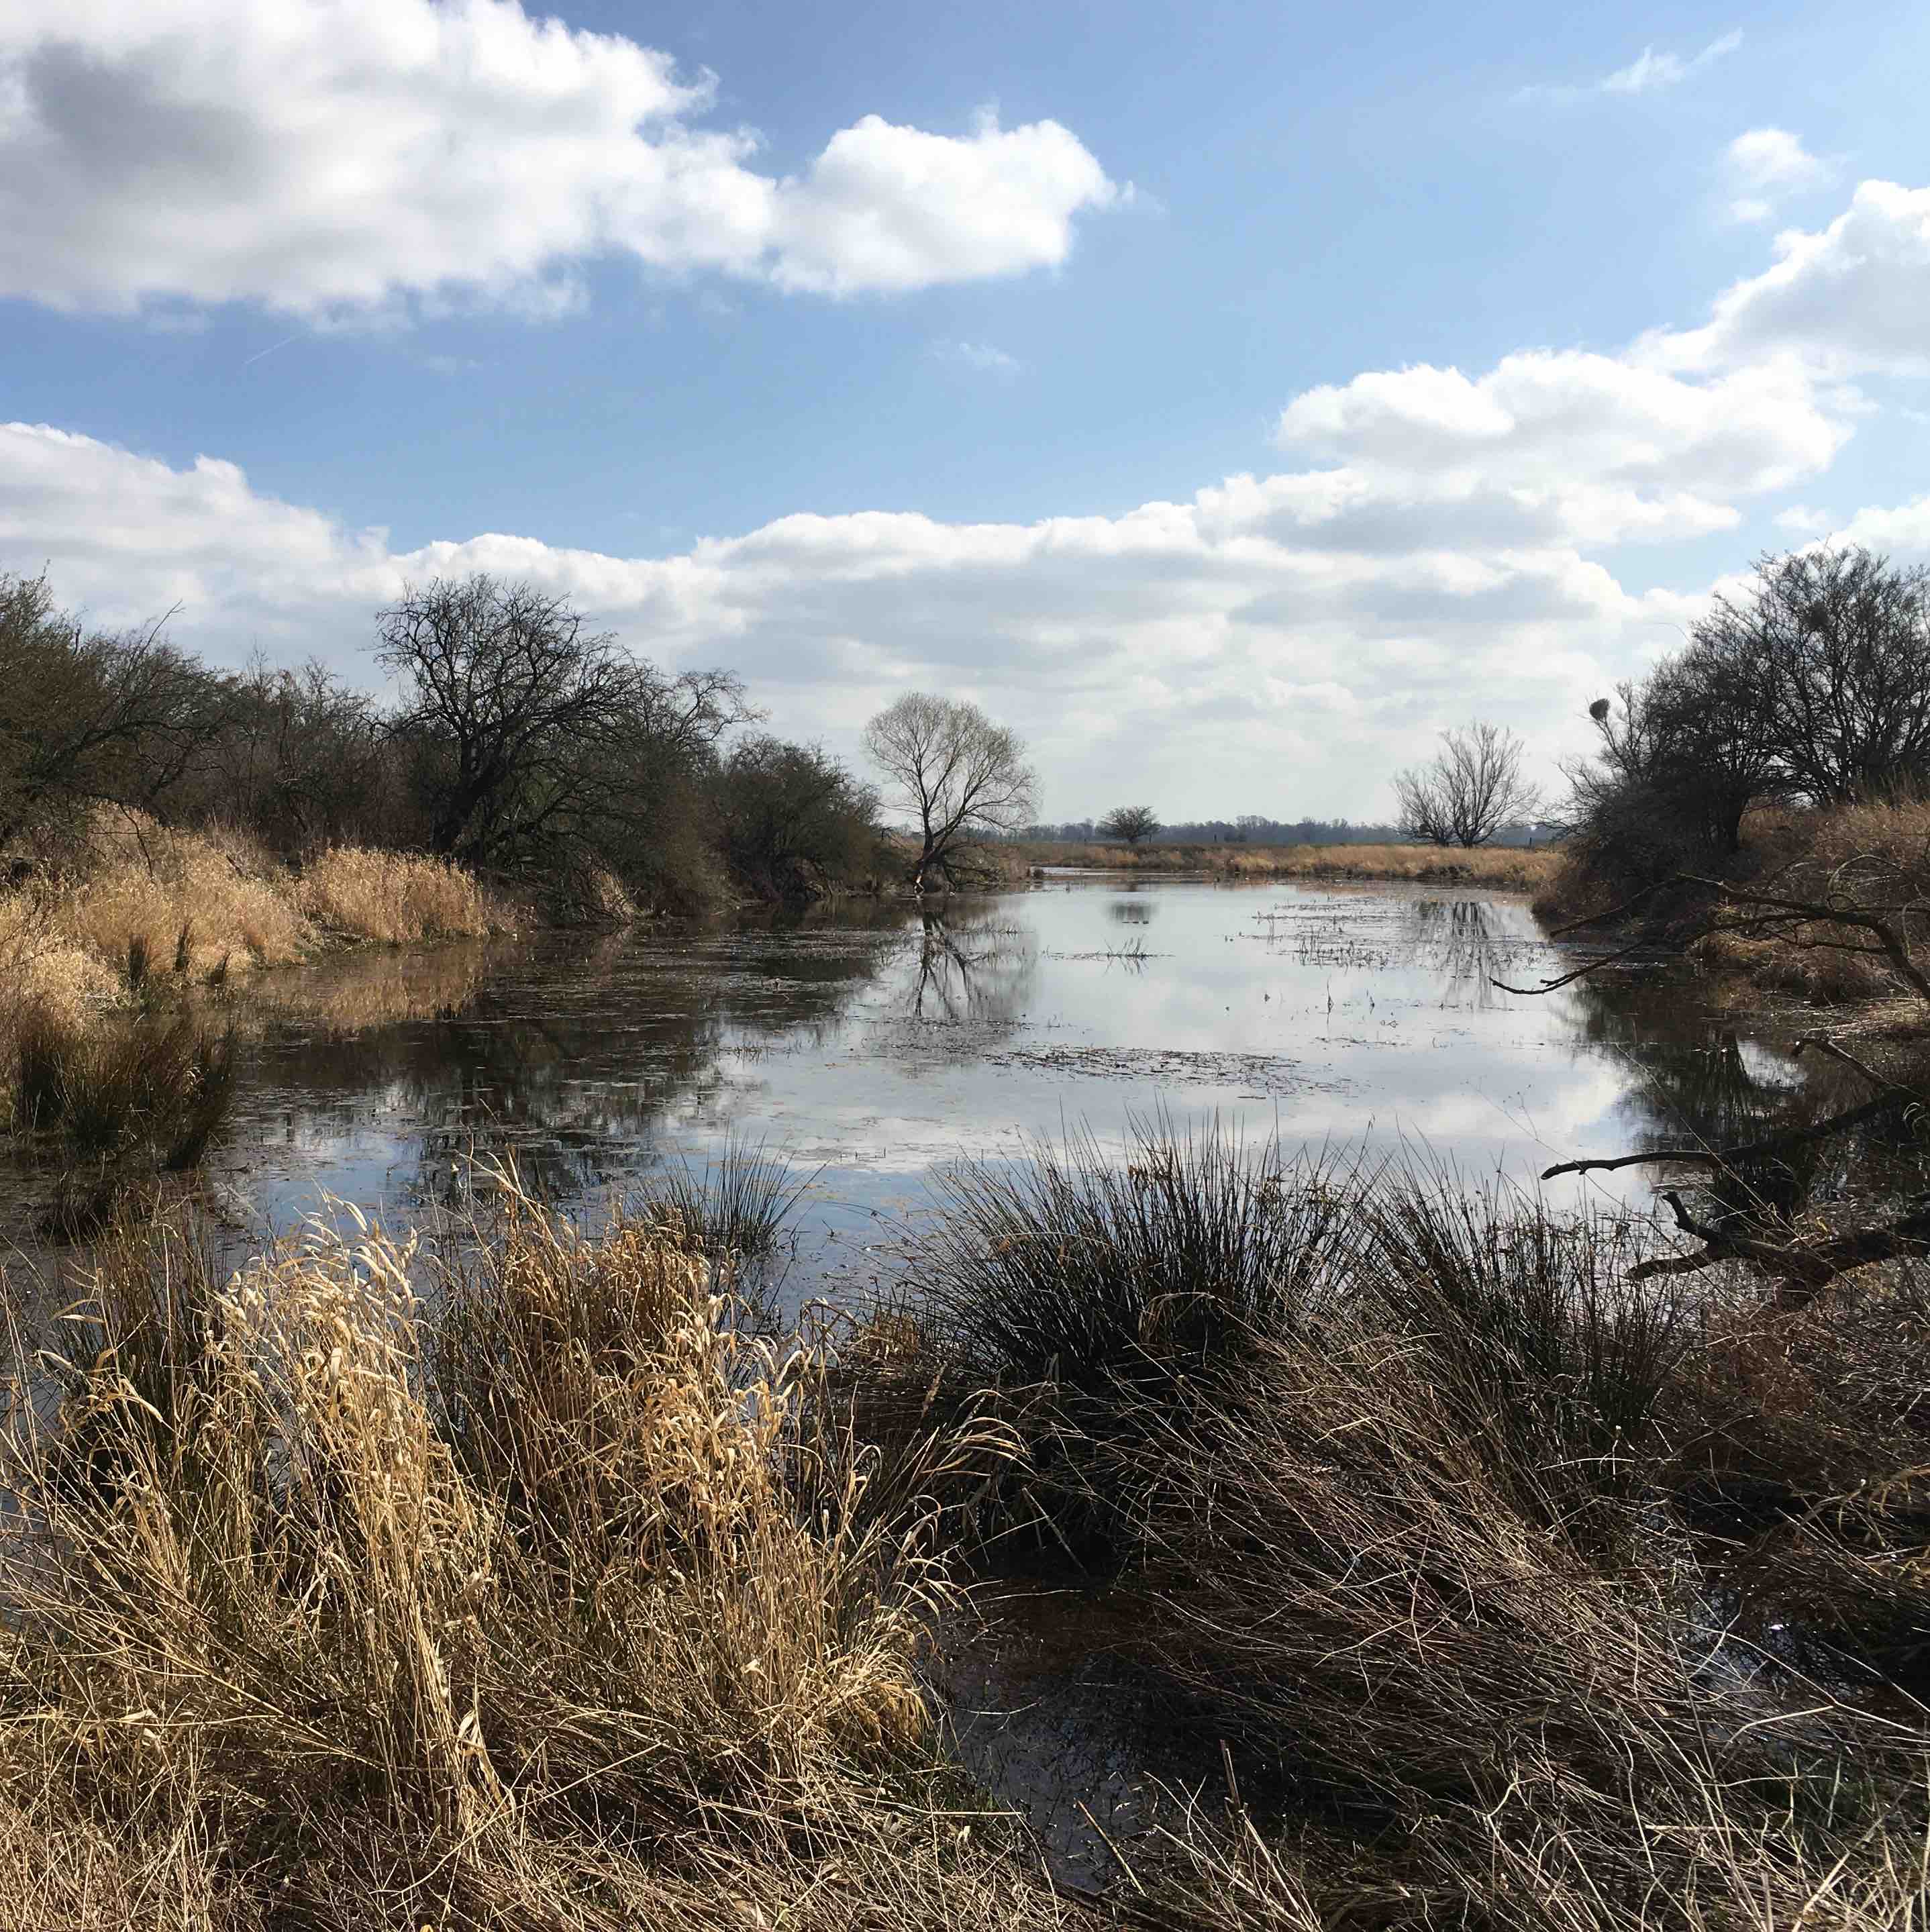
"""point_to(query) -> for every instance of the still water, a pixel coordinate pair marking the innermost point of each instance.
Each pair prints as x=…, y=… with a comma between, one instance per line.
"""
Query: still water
x=876, y=1043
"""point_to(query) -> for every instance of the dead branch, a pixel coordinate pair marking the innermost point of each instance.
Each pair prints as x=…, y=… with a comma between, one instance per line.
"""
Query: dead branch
x=1765, y=912
x=1580, y=972
x=1803, y=1268
x=1769, y=1146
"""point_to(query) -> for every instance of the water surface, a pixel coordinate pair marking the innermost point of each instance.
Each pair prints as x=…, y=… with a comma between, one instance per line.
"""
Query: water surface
x=877, y=1043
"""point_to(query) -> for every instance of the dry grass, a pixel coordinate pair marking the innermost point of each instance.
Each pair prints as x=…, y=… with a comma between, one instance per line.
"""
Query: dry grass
x=186, y=901
x=1867, y=855
x=564, y=1608
x=135, y=911
x=1822, y=975
x=1496, y=1576
x=1505, y=868
x=508, y=1581
x=394, y=896
x=1452, y=1719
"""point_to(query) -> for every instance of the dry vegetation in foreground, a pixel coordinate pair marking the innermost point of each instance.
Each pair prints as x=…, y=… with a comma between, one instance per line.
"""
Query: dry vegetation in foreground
x=1515, y=1594
x=1504, y=868
x=563, y=1607
x=505, y=1582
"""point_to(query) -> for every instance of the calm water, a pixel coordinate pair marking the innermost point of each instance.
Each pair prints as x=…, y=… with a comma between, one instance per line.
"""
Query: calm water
x=879, y=1042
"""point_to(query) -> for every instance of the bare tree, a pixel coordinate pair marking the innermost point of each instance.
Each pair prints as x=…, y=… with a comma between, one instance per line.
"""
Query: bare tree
x=1834, y=645
x=532, y=733
x=1133, y=824
x=1474, y=786
x=944, y=759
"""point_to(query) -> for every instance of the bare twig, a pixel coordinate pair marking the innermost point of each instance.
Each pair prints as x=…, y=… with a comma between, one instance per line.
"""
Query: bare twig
x=1803, y=1267
x=1770, y=1144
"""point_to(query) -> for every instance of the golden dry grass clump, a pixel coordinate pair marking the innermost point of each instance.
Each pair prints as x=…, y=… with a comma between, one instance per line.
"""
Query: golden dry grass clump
x=132, y=905
x=191, y=900
x=48, y=985
x=559, y=1607
x=398, y=897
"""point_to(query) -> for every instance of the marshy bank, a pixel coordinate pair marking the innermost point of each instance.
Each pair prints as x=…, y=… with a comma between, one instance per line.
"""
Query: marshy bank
x=1816, y=913
x=1497, y=868
x=503, y=1577
x=124, y=949
x=495, y=1570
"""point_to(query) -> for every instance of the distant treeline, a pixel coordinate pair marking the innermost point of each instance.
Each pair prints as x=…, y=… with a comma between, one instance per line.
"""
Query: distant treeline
x=1251, y=829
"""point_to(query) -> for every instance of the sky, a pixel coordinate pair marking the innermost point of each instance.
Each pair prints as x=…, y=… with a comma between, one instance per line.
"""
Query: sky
x=1229, y=397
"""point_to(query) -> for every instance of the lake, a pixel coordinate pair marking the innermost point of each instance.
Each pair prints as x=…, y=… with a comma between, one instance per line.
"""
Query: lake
x=876, y=1042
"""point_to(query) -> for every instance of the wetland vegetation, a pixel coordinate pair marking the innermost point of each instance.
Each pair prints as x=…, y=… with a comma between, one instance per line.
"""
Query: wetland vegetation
x=1066, y=1406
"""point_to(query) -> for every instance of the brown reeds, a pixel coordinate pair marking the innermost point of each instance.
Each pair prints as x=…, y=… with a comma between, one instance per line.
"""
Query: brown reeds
x=395, y=897
x=559, y=1605
x=137, y=913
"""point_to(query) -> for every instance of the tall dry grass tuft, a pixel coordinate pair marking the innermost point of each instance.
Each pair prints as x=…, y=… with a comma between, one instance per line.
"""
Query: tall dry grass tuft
x=397, y=897
x=1444, y=1711
x=1465, y=1550
x=504, y=1586
x=194, y=899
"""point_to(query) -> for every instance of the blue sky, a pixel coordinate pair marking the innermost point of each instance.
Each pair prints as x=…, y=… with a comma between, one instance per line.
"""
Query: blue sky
x=299, y=300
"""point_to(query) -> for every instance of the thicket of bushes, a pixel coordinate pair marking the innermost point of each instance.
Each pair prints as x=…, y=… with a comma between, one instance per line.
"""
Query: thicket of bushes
x=1803, y=698
x=517, y=744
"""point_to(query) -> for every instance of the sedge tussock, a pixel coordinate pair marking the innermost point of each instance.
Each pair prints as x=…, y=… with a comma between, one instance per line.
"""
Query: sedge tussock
x=1475, y=1560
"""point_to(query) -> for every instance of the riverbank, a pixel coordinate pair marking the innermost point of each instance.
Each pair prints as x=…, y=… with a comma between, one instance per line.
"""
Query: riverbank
x=1817, y=912
x=502, y=1580
x=1502, y=868
x=122, y=968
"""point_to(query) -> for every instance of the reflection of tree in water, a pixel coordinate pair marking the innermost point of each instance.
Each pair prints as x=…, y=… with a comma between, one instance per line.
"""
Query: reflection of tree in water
x=1697, y=1082
x=569, y=1056
x=977, y=969
x=1461, y=939
x=1135, y=911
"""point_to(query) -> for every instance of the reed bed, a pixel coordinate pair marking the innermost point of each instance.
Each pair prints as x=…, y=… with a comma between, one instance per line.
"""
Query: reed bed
x=133, y=914
x=396, y=897
x=189, y=902
x=562, y=1606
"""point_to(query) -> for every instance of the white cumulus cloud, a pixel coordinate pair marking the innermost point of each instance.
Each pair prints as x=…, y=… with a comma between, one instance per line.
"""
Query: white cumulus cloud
x=354, y=158
x=1849, y=299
